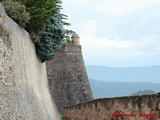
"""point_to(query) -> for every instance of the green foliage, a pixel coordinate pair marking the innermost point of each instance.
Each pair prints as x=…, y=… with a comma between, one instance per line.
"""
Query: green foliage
x=67, y=43
x=144, y=92
x=68, y=35
x=17, y=12
x=51, y=39
x=4, y=54
x=62, y=17
x=10, y=68
x=45, y=26
x=40, y=11
x=2, y=0
x=63, y=118
x=22, y=1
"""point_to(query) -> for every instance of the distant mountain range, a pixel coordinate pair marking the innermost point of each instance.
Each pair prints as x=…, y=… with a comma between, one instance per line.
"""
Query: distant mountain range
x=126, y=74
x=119, y=81
x=102, y=89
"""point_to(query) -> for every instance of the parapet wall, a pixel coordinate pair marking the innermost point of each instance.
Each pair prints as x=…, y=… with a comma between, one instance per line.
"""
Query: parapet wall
x=67, y=76
x=24, y=93
x=106, y=109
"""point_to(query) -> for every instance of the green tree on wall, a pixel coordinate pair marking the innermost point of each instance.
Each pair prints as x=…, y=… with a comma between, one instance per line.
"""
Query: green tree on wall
x=45, y=26
x=40, y=11
x=51, y=39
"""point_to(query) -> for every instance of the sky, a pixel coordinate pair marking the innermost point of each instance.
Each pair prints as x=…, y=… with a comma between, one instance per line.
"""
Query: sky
x=117, y=33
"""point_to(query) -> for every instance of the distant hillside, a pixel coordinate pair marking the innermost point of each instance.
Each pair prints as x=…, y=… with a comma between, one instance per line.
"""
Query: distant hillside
x=102, y=89
x=128, y=74
x=144, y=92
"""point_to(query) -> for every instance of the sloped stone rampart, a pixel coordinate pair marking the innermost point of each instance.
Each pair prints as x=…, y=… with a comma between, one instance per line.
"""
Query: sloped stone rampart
x=67, y=76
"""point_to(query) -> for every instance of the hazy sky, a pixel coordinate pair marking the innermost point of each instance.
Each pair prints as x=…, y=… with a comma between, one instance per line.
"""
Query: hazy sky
x=117, y=32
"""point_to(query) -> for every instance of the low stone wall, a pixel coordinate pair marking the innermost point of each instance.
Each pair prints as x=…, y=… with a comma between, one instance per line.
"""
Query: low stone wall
x=146, y=107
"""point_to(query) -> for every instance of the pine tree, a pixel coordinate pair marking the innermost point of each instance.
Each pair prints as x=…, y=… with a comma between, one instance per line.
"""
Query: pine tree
x=51, y=39
x=40, y=11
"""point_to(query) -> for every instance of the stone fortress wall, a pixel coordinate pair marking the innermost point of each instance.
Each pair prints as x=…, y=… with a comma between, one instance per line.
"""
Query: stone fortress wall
x=67, y=76
x=24, y=93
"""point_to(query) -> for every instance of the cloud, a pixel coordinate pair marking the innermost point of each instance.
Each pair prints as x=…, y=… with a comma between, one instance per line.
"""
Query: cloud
x=114, y=7
x=89, y=38
x=99, y=48
x=117, y=32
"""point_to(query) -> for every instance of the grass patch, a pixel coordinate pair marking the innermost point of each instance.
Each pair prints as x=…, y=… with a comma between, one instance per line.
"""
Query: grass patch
x=67, y=43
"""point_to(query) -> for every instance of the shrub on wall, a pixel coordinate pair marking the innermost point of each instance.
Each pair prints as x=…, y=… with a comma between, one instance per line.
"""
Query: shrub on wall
x=63, y=118
x=17, y=12
x=40, y=11
x=47, y=34
x=51, y=39
x=67, y=39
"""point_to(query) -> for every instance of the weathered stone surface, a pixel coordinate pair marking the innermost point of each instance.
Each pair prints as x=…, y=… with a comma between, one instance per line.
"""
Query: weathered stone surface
x=102, y=109
x=68, y=80
x=24, y=93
